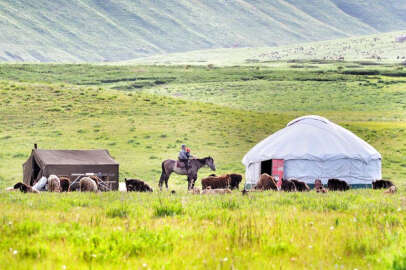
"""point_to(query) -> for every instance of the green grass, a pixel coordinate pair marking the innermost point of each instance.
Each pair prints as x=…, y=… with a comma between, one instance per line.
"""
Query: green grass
x=98, y=31
x=221, y=112
x=357, y=229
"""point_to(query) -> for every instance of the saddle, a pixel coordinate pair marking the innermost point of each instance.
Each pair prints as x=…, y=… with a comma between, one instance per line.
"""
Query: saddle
x=180, y=164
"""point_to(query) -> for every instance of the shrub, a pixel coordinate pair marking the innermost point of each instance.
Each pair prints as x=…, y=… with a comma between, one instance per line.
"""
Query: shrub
x=33, y=252
x=230, y=204
x=54, y=109
x=121, y=212
x=399, y=263
x=361, y=72
x=167, y=208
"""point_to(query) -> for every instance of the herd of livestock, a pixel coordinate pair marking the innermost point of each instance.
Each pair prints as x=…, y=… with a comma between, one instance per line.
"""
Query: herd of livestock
x=210, y=185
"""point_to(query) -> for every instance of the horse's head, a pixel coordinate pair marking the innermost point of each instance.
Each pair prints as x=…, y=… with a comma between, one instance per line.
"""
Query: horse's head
x=210, y=162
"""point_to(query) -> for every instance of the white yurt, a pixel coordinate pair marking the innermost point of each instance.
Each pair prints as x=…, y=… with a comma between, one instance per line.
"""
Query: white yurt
x=312, y=147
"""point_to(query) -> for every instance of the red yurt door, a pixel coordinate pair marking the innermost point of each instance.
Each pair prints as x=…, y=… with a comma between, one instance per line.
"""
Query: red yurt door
x=277, y=170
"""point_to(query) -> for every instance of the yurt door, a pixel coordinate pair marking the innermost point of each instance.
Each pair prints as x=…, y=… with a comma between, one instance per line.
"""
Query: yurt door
x=277, y=168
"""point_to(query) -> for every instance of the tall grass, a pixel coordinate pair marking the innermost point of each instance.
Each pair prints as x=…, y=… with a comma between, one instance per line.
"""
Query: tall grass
x=167, y=207
x=176, y=231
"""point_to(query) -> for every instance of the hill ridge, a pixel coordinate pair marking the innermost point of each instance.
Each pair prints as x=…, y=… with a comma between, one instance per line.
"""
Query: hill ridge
x=97, y=31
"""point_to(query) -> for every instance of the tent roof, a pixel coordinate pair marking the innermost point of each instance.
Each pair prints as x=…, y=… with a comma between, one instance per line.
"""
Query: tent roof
x=74, y=157
x=311, y=138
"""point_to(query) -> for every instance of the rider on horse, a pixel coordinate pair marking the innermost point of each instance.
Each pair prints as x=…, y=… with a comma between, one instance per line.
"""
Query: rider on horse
x=184, y=156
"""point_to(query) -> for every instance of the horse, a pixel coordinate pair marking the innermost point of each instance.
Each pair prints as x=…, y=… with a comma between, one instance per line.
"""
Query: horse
x=195, y=164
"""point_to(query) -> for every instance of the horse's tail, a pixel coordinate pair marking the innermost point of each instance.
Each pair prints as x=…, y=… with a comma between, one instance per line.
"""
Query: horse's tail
x=163, y=175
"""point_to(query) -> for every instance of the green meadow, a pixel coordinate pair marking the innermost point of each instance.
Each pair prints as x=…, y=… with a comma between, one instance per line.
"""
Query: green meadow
x=142, y=114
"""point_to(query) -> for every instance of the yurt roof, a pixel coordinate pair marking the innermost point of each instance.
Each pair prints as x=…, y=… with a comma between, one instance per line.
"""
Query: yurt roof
x=311, y=138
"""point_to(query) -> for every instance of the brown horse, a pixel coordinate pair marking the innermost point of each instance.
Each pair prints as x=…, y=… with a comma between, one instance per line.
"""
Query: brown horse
x=195, y=164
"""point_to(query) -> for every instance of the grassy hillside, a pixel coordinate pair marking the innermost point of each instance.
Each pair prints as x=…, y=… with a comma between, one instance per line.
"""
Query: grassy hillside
x=220, y=112
x=143, y=113
x=373, y=48
x=94, y=30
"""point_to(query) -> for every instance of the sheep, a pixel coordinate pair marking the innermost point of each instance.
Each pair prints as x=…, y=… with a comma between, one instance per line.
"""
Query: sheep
x=54, y=184
x=379, y=184
x=216, y=191
x=137, y=185
x=245, y=192
x=288, y=186
x=318, y=186
x=194, y=191
x=235, y=180
x=266, y=182
x=87, y=185
x=25, y=188
x=300, y=186
x=100, y=184
x=391, y=190
x=215, y=182
x=10, y=189
x=337, y=185
x=122, y=187
x=65, y=183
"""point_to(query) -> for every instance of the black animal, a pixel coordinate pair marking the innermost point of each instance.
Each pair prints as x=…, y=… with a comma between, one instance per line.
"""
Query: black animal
x=288, y=186
x=25, y=188
x=137, y=185
x=337, y=185
x=65, y=183
x=235, y=180
x=300, y=186
x=382, y=184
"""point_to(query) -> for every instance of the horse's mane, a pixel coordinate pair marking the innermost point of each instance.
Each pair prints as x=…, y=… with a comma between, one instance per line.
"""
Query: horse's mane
x=203, y=160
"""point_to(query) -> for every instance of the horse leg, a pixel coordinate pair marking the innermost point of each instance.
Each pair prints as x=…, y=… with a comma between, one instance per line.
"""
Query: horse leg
x=194, y=178
x=189, y=182
x=164, y=177
x=166, y=180
x=161, y=180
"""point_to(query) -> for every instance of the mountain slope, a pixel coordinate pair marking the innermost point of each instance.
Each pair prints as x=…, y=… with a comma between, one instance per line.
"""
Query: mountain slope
x=383, y=47
x=106, y=30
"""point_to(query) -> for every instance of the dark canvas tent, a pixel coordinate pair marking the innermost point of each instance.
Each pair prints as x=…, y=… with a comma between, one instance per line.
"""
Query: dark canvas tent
x=70, y=163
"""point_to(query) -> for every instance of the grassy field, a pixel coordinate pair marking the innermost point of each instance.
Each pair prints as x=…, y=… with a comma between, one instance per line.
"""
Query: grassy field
x=143, y=113
x=356, y=230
